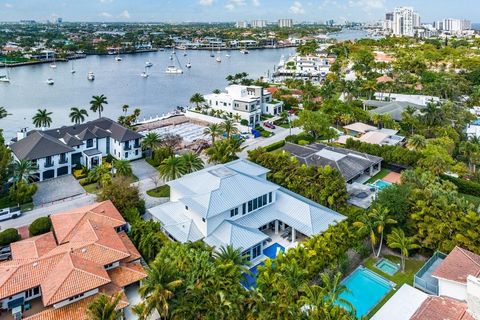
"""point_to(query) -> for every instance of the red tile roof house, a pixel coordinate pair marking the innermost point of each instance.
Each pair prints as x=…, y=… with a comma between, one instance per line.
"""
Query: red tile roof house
x=59, y=273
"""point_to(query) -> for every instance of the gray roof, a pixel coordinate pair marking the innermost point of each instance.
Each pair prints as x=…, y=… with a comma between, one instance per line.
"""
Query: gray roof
x=393, y=108
x=92, y=152
x=350, y=163
x=71, y=141
x=38, y=145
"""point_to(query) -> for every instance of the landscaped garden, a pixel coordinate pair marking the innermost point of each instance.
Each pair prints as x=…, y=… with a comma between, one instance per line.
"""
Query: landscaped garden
x=160, y=192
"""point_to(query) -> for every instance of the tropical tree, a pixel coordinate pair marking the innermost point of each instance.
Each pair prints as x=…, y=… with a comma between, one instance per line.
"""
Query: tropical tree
x=213, y=130
x=224, y=151
x=42, y=119
x=334, y=289
x=366, y=225
x=123, y=168
x=417, y=142
x=217, y=91
x=100, y=174
x=228, y=126
x=398, y=240
x=172, y=168
x=381, y=218
x=23, y=170
x=197, y=98
x=232, y=258
x=3, y=113
x=96, y=104
x=191, y=162
x=125, y=109
x=105, y=308
x=78, y=115
x=151, y=141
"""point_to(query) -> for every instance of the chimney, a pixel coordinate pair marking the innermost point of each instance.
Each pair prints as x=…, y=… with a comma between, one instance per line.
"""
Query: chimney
x=21, y=134
x=473, y=297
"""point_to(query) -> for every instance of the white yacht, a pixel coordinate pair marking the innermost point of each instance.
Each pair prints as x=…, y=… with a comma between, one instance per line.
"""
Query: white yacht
x=50, y=82
x=244, y=51
x=227, y=55
x=188, y=65
x=148, y=64
x=145, y=74
x=90, y=76
x=173, y=70
x=118, y=58
x=218, y=59
x=53, y=65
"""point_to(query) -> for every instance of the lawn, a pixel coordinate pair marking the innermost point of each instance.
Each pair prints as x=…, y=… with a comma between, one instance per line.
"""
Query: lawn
x=382, y=174
x=160, y=192
x=400, y=278
x=6, y=203
x=91, y=188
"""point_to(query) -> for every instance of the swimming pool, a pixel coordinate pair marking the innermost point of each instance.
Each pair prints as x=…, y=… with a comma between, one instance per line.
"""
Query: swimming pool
x=366, y=290
x=387, y=266
x=380, y=184
x=273, y=250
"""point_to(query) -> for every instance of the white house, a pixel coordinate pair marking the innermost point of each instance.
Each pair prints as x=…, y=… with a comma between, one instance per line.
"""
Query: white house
x=249, y=102
x=57, y=151
x=234, y=204
x=305, y=66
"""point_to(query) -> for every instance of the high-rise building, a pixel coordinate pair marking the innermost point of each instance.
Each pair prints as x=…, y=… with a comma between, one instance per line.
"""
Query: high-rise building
x=285, y=23
x=241, y=24
x=389, y=16
x=405, y=20
x=455, y=25
x=259, y=23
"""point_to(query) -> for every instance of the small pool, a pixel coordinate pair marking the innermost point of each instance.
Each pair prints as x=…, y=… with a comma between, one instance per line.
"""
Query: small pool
x=380, y=184
x=476, y=122
x=273, y=250
x=387, y=266
x=250, y=280
x=366, y=288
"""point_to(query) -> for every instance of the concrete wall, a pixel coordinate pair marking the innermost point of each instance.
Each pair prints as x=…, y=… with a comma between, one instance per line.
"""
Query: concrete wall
x=452, y=289
x=473, y=296
x=203, y=117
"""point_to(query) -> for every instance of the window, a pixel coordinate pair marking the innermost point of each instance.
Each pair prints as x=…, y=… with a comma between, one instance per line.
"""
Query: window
x=264, y=199
x=136, y=152
x=256, y=251
x=246, y=254
x=269, y=197
x=89, y=143
x=63, y=158
x=250, y=205
x=233, y=212
x=255, y=204
x=244, y=208
x=186, y=207
x=48, y=161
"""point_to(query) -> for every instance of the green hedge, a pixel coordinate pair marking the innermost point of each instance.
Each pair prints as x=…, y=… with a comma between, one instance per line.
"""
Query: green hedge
x=274, y=146
x=85, y=182
x=464, y=186
x=40, y=226
x=300, y=137
x=8, y=236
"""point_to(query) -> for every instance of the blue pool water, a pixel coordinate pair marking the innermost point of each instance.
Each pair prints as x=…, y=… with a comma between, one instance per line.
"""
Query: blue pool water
x=380, y=184
x=387, y=266
x=366, y=289
x=476, y=122
x=272, y=251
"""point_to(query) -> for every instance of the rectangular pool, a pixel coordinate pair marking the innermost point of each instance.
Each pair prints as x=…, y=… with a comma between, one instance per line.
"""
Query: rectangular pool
x=366, y=288
x=273, y=250
x=380, y=184
x=387, y=266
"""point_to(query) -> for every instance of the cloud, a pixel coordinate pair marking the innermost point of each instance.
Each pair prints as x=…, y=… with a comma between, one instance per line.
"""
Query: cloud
x=125, y=14
x=256, y=3
x=105, y=15
x=297, y=8
x=106, y=1
x=205, y=2
x=233, y=4
x=8, y=5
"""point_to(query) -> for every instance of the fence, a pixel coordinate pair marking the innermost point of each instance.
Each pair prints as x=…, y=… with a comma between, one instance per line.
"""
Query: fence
x=423, y=278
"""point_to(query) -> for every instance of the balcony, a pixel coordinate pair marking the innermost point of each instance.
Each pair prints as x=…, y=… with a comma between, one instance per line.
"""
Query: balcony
x=49, y=164
x=63, y=161
x=423, y=279
x=127, y=148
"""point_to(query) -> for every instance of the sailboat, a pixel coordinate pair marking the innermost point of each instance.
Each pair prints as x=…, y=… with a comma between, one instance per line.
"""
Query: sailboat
x=53, y=64
x=145, y=74
x=188, y=65
x=5, y=78
x=72, y=71
x=218, y=58
x=174, y=69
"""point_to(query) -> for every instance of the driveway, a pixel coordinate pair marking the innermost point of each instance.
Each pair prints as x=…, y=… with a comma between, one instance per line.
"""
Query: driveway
x=57, y=189
x=143, y=170
x=280, y=134
x=147, y=176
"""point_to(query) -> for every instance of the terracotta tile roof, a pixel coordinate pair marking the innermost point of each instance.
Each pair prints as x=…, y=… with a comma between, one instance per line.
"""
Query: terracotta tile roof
x=134, y=254
x=127, y=274
x=103, y=213
x=72, y=275
x=442, y=308
x=384, y=79
x=458, y=265
x=34, y=247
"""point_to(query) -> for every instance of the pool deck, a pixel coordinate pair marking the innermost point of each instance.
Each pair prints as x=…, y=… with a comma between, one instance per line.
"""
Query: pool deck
x=393, y=177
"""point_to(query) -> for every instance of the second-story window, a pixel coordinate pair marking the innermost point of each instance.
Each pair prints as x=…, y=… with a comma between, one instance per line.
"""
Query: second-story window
x=89, y=143
x=233, y=212
x=48, y=161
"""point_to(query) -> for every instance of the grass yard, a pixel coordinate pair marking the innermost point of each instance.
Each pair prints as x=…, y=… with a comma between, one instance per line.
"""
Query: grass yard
x=382, y=174
x=91, y=188
x=400, y=278
x=160, y=192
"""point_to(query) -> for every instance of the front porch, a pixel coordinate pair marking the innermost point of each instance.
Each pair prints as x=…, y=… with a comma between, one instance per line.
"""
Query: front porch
x=92, y=158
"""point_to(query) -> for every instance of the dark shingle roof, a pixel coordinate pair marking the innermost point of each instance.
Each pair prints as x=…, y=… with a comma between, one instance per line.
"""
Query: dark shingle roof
x=86, y=134
x=71, y=141
x=393, y=108
x=350, y=163
x=38, y=145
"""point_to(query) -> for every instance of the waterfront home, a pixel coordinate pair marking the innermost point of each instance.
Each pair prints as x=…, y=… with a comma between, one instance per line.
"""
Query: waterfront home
x=234, y=204
x=354, y=166
x=249, y=102
x=57, y=151
x=370, y=134
x=56, y=275
x=316, y=66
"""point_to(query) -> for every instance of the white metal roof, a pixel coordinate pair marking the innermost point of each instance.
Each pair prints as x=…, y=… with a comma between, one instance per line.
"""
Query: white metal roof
x=402, y=305
x=238, y=236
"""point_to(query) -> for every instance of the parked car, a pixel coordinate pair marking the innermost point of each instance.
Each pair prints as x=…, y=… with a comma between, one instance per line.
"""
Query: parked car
x=5, y=253
x=9, y=213
x=269, y=124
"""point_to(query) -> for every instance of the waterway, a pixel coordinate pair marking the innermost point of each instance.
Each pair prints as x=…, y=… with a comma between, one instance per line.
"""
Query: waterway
x=122, y=84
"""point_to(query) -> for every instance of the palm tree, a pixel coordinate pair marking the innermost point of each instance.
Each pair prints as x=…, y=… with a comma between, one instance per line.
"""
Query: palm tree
x=191, y=162
x=365, y=224
x=398, y=240
x=123, y=168
x=96, y=105
x=230, y=256
x=213, y=130
x=78, y=115
x=224, y=151
x=125, y=108
x=3, y=113
x=381, y=219
x=228, y=126
x=334, y=289
x=417, y=142
x=172, y=168
x=42, y=118
x=151, y=141
x=23, y=170
x=104, y=308
x=216, y=91
x=237, y=117
x=158, y=289
x=197, y=98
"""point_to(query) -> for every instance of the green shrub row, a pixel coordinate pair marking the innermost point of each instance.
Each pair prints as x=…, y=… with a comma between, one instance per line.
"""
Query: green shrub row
x=8, y=236
x=274, y=146
x=464, y=186
x=40, y=226
x=300, y=137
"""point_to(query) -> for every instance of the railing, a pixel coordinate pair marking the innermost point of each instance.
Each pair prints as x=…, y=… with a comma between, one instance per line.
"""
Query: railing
x=425, y=285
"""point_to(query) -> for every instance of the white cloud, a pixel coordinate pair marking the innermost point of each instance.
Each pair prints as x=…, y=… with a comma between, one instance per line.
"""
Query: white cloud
x=256, y=3
x=205, y=2
x=233, y=4
x=105, y=15
x=125, y=14
x=8, y=5
x=297, y=8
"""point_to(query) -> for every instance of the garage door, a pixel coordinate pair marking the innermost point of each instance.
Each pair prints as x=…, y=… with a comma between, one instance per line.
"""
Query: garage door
x=48, y=174
x=62, y=171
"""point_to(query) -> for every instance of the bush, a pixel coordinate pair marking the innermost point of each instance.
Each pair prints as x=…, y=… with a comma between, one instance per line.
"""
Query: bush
x=303, y=142
x=109, y=158
x=40, y=226
x=79, y=174
x=301, y=136
x=244, y=122
x=275, y=146
x=464, y=186
x=8, y=236
x=265, y=134
x=86, y=181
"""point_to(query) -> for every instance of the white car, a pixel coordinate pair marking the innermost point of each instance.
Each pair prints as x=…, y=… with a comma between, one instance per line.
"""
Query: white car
x=9, y=213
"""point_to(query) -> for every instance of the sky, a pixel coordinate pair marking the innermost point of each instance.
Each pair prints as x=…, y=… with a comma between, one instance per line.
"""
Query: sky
x=230, y=10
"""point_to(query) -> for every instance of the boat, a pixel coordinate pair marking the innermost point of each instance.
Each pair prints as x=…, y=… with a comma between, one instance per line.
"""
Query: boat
x=188, y=65
x=148, y=64
x=244, y=51
x=173, y=70
x=50, y=81
x=90, y=76
x=227, y=55
x=5, y=78
x=118, y=58
x=72, y=71
x=53, y=65
x=218, y=59
x=161, y=49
